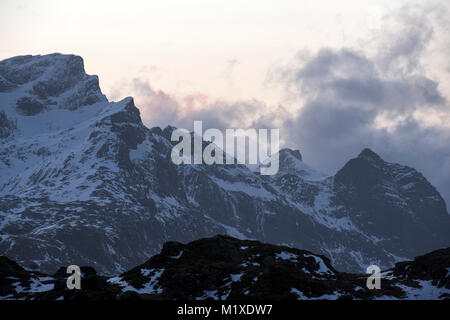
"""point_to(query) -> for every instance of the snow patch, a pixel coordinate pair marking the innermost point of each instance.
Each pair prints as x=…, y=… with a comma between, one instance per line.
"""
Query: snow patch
x=287, y=256
x=301, y=295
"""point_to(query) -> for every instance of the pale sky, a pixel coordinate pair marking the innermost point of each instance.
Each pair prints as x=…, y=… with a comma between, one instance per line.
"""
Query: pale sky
x=220, y=48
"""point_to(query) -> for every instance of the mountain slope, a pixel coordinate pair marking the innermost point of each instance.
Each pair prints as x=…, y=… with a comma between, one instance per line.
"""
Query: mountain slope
x=84, y=182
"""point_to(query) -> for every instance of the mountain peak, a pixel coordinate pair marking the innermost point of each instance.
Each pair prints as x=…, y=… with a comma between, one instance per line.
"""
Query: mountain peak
x=24, y=69
x=286, y=152
x=366, y=163
x=53, y=81
x=291, y=162
x=369, y=155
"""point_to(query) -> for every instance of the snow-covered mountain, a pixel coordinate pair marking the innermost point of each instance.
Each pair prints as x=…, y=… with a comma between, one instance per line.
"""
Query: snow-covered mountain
x=83, y=181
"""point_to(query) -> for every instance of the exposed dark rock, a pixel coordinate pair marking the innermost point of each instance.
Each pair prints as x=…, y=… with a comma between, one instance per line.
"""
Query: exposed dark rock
x=6, y=85
x=6, y=126
x=27, y=106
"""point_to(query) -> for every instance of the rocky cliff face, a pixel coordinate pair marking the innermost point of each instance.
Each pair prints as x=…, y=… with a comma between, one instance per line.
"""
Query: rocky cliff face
x=225, y=268
x=386, y=199
x=84, y=182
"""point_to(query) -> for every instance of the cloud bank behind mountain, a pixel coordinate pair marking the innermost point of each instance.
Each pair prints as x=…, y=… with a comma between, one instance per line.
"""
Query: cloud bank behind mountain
x=389, y=94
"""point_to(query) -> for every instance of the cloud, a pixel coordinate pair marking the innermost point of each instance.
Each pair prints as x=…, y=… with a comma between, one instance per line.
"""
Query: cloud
x=353, y=99
x=230, y=66
x=160, y=109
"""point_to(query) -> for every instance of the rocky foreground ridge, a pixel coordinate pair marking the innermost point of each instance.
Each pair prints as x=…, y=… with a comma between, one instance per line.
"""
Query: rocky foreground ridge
x=225, y=268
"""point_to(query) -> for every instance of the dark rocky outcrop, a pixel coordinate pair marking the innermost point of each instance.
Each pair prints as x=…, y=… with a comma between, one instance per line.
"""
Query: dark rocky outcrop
x=28, y=106
x=225, y=268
